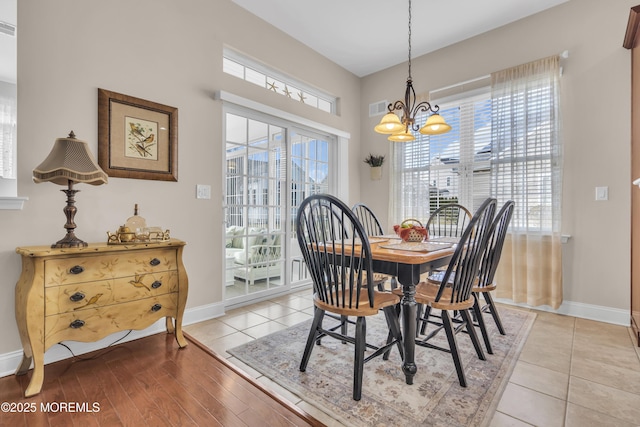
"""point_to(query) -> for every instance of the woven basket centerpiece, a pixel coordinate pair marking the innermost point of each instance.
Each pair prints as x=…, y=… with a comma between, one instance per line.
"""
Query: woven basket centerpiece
x=410, y=231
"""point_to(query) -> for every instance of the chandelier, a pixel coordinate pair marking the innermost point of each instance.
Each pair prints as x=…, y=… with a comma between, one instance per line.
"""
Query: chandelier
x=401, y=129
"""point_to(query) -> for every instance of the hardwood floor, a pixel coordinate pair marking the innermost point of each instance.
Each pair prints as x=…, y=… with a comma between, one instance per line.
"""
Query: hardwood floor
x=151, y=382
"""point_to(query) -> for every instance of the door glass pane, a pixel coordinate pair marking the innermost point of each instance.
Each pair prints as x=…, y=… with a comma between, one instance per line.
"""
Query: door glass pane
x=309, y=175
x=254, y=255
x=269, y=170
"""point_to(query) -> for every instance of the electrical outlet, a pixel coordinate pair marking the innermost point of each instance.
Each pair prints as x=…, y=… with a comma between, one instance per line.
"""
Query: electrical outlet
x=203, y=191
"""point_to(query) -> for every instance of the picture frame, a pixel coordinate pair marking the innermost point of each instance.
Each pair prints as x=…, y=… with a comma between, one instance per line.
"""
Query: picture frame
x=137, y=138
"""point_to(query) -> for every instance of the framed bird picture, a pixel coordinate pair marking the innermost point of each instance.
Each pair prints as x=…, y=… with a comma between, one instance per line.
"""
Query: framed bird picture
x=137, y=138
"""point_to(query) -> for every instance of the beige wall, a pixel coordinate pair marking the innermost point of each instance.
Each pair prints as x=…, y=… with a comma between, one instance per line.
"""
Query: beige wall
x=596, y=128
x=164, y=51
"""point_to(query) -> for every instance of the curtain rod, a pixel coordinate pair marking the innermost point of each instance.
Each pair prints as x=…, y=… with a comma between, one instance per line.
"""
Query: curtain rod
x=563, y=55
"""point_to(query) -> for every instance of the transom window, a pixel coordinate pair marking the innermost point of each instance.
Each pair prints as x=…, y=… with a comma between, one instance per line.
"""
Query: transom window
x=261, y=75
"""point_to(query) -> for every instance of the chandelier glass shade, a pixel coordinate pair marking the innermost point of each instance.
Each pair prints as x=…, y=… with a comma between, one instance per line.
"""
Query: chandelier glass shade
x=401, y=128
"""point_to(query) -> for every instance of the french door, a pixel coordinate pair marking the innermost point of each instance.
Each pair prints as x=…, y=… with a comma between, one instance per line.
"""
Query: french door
x=270, y=166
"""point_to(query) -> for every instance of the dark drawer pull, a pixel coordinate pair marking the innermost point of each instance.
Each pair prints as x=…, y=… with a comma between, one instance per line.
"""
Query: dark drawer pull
x=156, y=307
x=76, y=324
x=78, y=296
x=156, y=284
x=154, y=262
x=76, y=269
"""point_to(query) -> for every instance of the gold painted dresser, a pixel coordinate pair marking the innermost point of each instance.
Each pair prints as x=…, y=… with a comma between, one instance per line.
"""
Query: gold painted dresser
x=85, y=294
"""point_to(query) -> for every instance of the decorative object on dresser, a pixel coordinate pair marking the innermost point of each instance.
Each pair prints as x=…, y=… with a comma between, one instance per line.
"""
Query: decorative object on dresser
x=86, y=293
x=135, y=231
x=137, y=138
x=70, y=161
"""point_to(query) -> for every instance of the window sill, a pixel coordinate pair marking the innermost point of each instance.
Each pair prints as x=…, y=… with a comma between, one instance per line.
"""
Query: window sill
x=12, y=203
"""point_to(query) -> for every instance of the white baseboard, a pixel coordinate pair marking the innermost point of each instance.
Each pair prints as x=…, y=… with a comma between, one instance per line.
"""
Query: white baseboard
x=10, y=361
x=599, y=313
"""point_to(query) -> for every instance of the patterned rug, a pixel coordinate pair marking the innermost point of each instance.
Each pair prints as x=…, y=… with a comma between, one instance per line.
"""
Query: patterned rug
x=434, y=399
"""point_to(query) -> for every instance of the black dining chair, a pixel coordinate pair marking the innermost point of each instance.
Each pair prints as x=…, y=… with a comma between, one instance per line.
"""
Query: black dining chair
x=488, y=266
x=453, y=296
x=368, y=219
x=448, y=221
x=372, y=227
x=336, y=250
x=484, y=283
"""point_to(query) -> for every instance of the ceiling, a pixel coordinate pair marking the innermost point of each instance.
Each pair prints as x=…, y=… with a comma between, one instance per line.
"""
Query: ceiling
x=365, y=36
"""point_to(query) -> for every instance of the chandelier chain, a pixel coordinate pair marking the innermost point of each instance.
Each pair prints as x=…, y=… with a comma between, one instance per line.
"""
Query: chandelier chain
x=409, y=39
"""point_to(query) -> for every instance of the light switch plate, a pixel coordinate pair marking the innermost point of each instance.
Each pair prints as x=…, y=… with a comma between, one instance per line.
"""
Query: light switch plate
x=203, y=191
x=602, y=193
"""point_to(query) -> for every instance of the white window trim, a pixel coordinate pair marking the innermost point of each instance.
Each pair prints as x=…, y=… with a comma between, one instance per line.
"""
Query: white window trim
x=12, y=203
x=244, y=102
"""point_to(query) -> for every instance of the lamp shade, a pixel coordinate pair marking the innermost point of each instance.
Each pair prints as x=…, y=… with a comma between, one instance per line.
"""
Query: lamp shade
x=389, y=124
x=435, y=126
x=404, y=136
x=70, y=160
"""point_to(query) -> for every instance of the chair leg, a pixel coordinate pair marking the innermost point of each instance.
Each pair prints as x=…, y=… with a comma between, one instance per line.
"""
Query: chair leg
x=480, y=319
x=394, y=331
x=397, y=310
x=344, y=326
x=466, y=315
x=427, y=313
x=419, y=319
x=358, y=364
x=453, y=346
x=313, y=334
x=494, y=311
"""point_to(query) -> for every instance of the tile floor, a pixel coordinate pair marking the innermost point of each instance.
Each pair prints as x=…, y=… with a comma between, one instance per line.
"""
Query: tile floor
x=571, y=372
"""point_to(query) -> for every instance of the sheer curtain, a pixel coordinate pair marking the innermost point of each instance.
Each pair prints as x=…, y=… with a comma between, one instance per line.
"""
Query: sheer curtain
x=7, y=135
x=526, y=166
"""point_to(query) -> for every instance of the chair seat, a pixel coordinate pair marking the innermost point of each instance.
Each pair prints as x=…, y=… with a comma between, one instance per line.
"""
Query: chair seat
x=436, y=279
x=488, y=288
x=380, y=300
x=426, y=294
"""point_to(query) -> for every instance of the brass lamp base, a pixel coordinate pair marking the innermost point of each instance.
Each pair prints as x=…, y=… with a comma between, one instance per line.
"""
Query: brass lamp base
x=70, y=240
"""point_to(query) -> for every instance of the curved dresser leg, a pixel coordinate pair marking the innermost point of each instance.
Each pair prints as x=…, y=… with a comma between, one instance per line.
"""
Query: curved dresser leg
x=37, y=376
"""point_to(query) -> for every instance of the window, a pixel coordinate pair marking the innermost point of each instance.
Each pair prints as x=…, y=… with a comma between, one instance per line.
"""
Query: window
x=526, y=165
x=8, y=141
x=253, y=72
x=8, y=115
x=503, y=143
x=456, y=164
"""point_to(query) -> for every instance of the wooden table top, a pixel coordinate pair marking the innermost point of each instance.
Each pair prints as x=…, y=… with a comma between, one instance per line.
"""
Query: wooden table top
x=381, y=253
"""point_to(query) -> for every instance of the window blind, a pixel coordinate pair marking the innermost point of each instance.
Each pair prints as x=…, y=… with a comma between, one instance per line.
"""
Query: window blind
x=8, y=121
x=450, y=168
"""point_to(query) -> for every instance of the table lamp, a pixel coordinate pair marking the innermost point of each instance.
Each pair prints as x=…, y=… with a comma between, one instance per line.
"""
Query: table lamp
x=70, y=161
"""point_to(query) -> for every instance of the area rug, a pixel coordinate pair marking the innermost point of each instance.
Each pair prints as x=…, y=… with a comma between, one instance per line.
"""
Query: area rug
x=434, y=399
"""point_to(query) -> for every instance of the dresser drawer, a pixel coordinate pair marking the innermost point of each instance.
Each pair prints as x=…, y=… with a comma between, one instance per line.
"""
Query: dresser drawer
x=78, y=269
x=94, y=324
x=81, y=296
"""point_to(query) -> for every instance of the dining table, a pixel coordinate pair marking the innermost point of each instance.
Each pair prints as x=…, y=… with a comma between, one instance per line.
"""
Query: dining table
x=407, y=261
